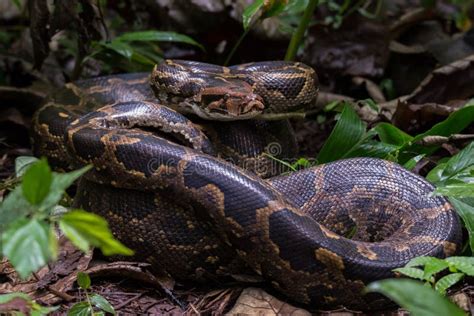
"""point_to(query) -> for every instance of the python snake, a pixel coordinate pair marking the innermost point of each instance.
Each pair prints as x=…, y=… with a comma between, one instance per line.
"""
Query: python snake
x=318, y=235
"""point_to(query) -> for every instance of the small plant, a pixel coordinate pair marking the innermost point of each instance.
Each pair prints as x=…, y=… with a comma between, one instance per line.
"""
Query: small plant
x=19, y=304
x=30, y=213
x=427, y=298
x=432, y=267
x=136, y=51
x=415, y=297
x=93, y=301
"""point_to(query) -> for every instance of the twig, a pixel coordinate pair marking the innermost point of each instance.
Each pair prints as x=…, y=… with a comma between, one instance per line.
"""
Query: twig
x=129, y=301
x=284, y=116
x=410, y=19
x=63, y=295
x=439, y=140
x=298, y=35
x=194, y=309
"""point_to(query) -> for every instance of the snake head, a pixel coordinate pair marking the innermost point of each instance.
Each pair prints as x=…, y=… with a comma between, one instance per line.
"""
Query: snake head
x=232, y=101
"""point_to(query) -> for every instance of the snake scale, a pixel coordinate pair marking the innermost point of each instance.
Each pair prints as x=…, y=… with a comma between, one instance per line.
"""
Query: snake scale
x=318, y=235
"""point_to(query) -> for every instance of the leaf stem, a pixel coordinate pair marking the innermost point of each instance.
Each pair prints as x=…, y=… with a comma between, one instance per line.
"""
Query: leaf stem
x=236, y=45
x=298, y=35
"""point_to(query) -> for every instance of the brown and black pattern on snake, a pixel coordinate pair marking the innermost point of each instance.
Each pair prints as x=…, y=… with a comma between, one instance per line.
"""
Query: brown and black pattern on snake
x=318, y=235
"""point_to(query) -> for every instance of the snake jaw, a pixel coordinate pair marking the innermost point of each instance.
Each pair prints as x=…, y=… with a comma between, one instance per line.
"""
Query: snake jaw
x=254, y=104
x=234, y=100
x=236, y=106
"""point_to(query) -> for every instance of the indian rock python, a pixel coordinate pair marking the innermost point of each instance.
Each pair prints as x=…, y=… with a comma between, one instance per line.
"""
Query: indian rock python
x=196, y=216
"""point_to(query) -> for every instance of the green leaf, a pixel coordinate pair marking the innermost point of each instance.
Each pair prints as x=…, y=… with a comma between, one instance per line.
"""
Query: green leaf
x=455, y=123
x=121, y=48
x=420, y=261
x=467, y=214
x=447, y=281
x=431, y=265
x=273, y=8
x=61, y=181
x=349, y=130
x=418, y=299
x=459, y=162
x=301, y=163
x=371, y=148
x=85, y=229
x=455, y=177
x=414, y=273
x=17, y=4
x=5, y=298
x=390, y=134
x=101, y=303
x=159, y=36
x=38, y=310
x=26, y=243
x=456, y=190
x=14, y=207
x=410, y=164
x=434, y=175
x=36, y=182
x=83, y=280
x=22, y=163
x=80, y=309
x=296, y=6
x=250, y=12
x=463, y=264
x=434, y=266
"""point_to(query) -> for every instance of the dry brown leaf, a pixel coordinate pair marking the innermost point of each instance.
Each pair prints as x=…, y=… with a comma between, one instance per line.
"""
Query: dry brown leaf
x=360, y=47
x=451, y=82
x=254, y=301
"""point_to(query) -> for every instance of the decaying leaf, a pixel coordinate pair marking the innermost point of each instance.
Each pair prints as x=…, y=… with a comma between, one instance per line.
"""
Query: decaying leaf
x=359, y=47
x=254, y=301
x=442, y=92
x=451, y=82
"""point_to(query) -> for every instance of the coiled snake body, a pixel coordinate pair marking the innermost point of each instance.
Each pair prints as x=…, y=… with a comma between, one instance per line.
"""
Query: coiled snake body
x=318, y=235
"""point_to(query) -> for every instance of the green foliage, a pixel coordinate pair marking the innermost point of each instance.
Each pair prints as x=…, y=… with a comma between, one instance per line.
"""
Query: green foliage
x=22, y=163
x=418, y=299
x=34, y=308
x=348, y=133
x=458, y=170
x=386, y=141
x=85, y=229
x=37, y=182
x=455, y=123
x=83, y=280
x=461, y=15
x=427, y=268
x=29, y=244
x=27, y=221
x=137, y=49
x=466, y=212
x=455, y=178
x=262, y=9
x=86, y=308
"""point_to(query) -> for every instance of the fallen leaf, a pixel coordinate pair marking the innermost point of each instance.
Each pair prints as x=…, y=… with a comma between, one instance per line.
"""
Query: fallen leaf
x=359, y=47
x=254, y=301
x=450, y=82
